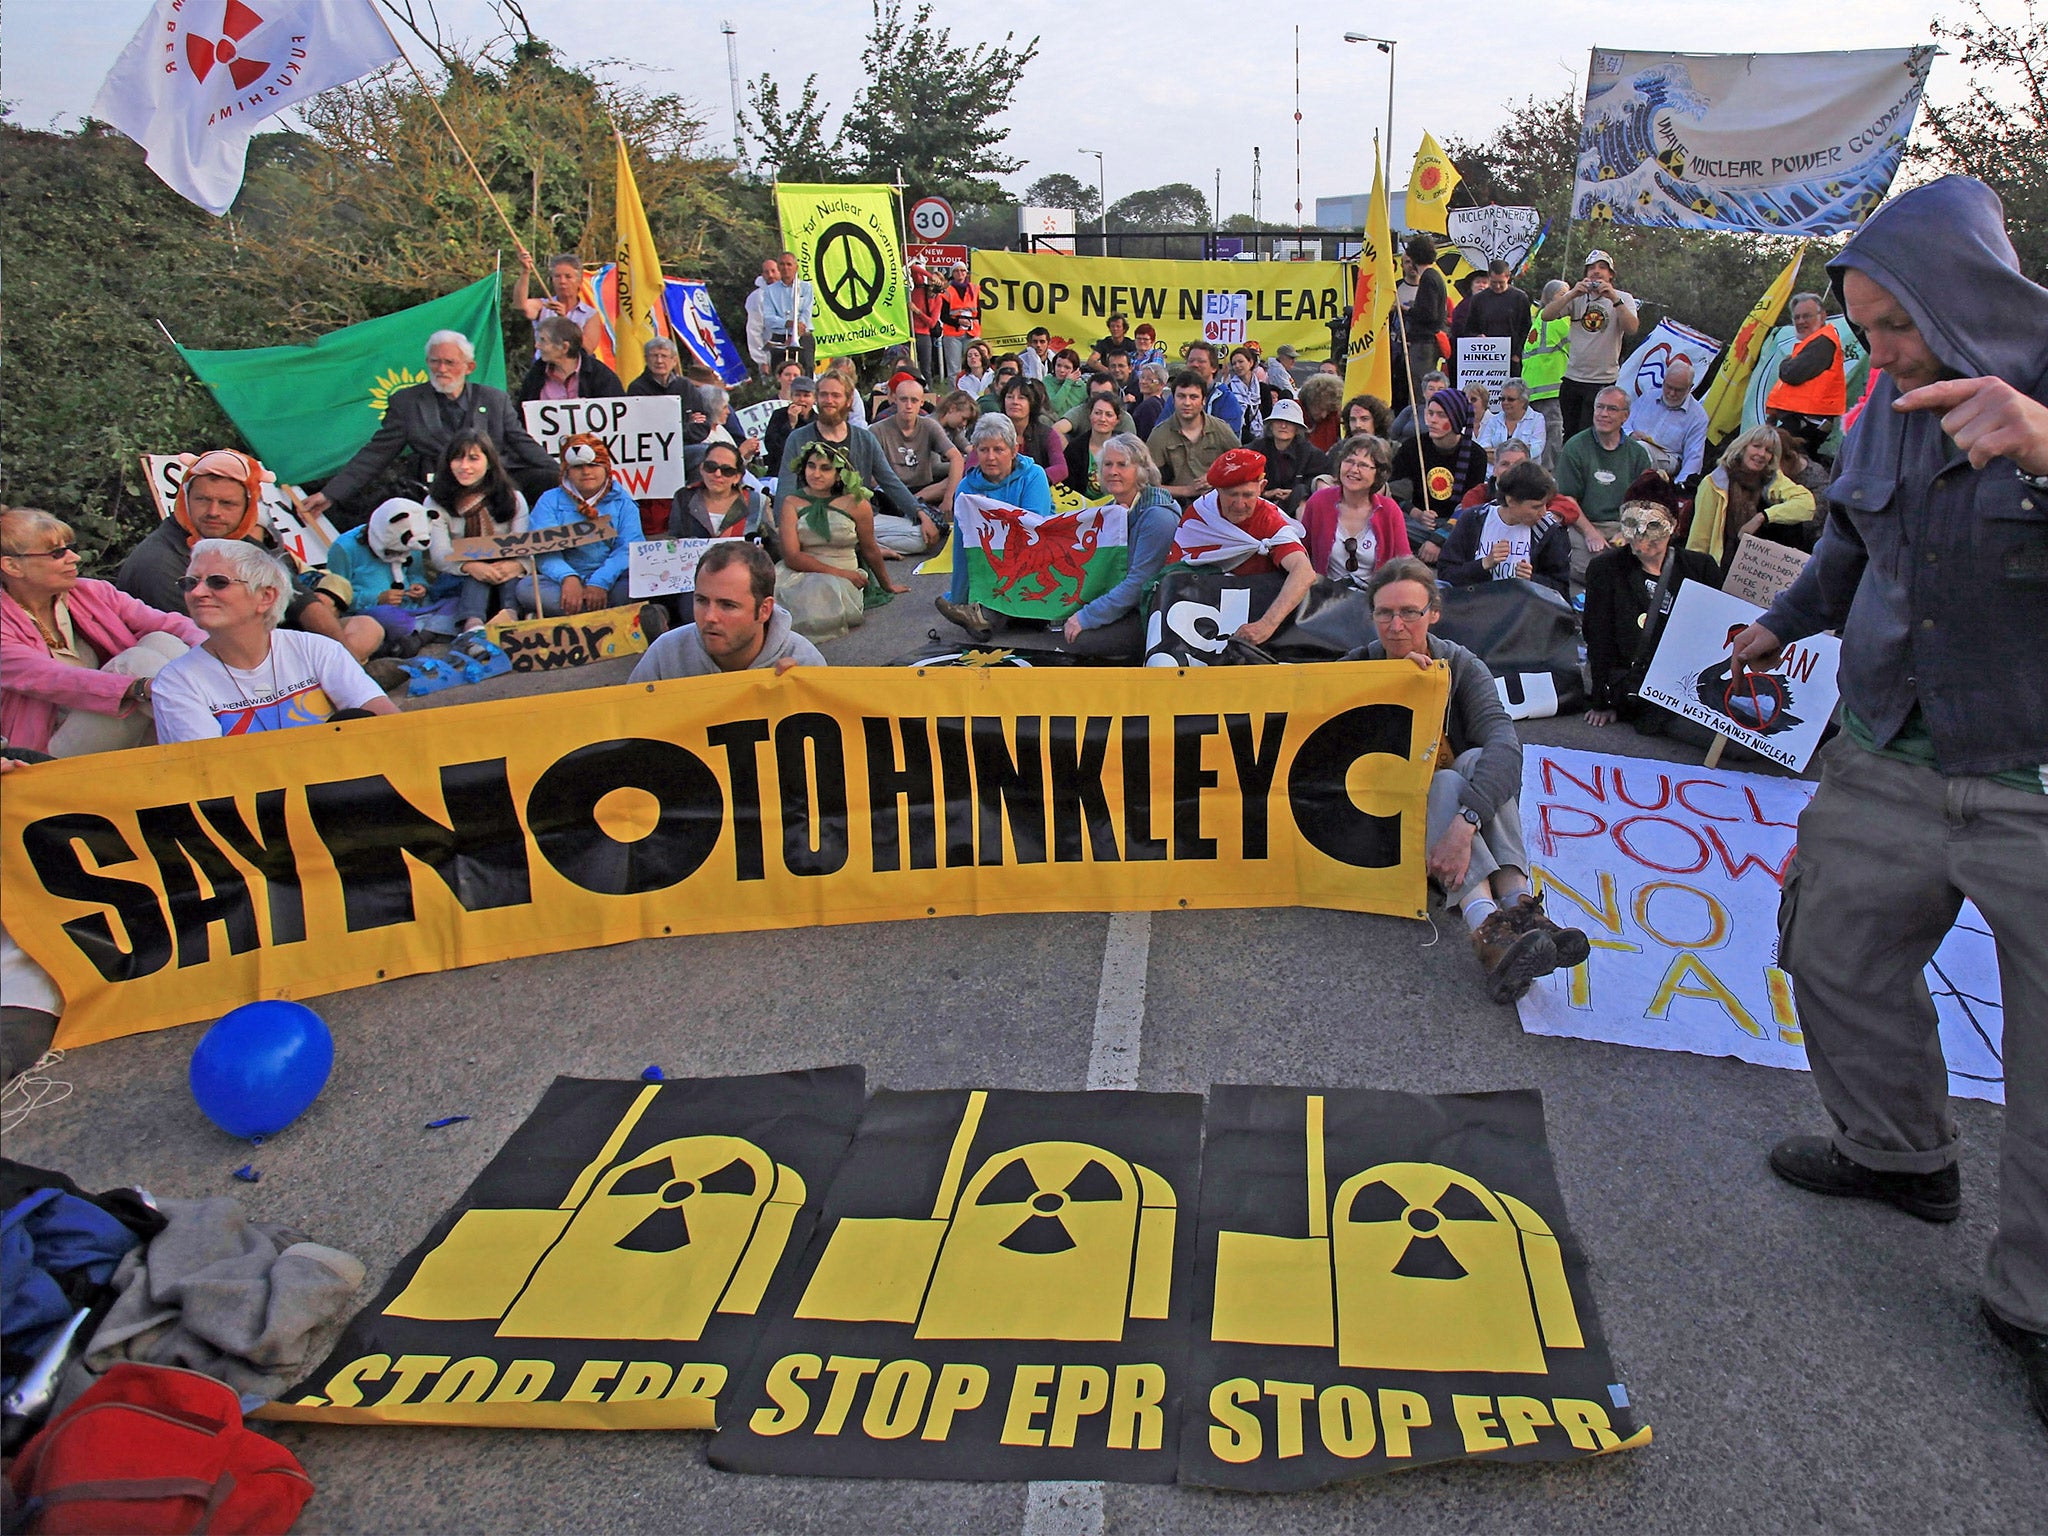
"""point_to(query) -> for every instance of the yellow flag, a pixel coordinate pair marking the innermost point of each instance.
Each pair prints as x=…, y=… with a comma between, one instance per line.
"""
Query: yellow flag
x=1429, y=187
x=1369, y=361
x=1724, y=400
x=639, y=276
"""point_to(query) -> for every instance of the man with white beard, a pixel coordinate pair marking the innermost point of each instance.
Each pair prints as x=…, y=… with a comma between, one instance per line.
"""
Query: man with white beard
x=419, y=421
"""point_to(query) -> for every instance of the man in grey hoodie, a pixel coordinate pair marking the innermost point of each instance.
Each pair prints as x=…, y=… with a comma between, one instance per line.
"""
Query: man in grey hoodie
x=739, y=628
x=1934, y=569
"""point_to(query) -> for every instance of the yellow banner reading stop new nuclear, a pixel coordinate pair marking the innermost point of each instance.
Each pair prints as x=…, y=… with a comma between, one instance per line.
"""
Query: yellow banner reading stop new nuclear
x=1291, y=302
x=170, y=884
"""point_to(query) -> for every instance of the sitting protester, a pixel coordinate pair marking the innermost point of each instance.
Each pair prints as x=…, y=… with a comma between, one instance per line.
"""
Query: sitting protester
x=1234, y=528
x=803, y=395
x=1101, y=386
x=390, y=564
x=1476, y=856
x=76, y=656
x=1292, y=461
x=831, y=570
x=1002, y=474
x=1512, y=537
x=738, y=624
x=1512, y=452
x=1322, y=398
x=924, y=459
x=1155, y=400
x=1403, y=428
x=955, y=417
x=1596, y=467
x=1084, y=470
x=1629, y=593
x=589, y=576
x=1064, y=387
x=1369, y=416
x=565, y=369
x=220, y=496
x=1439, y=472
x=249, y=675
x=719, y=504
x=1113, y=624
x=1511, y=421
x=1748, y=492
x=1038, y=433
x=663, y=375
x=476, y=499
x=1354, y=527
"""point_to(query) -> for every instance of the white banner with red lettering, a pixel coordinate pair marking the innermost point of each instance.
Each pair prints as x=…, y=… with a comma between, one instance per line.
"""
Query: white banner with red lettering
x=1673, y=872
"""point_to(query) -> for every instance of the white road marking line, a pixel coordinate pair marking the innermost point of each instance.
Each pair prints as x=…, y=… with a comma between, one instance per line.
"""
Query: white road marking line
x=1075, y=1509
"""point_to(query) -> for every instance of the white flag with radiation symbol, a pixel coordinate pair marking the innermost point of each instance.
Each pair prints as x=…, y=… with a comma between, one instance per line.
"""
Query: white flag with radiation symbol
x=196, y=81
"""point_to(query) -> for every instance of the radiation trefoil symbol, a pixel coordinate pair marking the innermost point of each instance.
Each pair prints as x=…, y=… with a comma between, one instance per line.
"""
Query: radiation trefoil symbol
x=237, y=22
x=1048, y=1240
x=1411, y=1266
x=645, y=1247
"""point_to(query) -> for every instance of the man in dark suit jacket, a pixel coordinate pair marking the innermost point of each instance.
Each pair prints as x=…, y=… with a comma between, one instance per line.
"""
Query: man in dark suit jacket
x=422, y=418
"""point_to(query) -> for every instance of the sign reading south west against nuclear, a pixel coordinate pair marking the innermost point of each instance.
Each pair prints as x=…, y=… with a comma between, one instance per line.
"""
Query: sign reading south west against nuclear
x=1384, y=1280
x=609, y=1267
x=998, y=1289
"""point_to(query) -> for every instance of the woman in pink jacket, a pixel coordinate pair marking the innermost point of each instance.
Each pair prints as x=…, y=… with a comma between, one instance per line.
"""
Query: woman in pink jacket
x=1354, y=526
x=76, y=657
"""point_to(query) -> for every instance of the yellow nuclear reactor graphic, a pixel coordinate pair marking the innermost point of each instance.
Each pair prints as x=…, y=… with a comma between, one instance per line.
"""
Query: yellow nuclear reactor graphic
x=1412, y=1266
x=1049, y=1240
x=646, y=1247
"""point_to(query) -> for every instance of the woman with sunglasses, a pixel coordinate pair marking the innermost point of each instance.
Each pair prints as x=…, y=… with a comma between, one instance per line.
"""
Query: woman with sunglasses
x=249, y=675
x=77, y=657
x=1354, y=527
x=720, y=503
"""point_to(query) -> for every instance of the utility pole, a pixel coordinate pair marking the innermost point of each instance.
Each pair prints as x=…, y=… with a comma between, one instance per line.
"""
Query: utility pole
x=732, y=69
x=1258, y=199
x=1297, y=127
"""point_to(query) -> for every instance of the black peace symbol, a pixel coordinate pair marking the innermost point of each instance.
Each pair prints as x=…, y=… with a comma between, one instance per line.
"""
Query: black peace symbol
x=850, y=271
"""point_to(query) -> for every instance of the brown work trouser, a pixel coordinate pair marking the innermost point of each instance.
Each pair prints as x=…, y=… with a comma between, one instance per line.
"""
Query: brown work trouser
x=1887, y=853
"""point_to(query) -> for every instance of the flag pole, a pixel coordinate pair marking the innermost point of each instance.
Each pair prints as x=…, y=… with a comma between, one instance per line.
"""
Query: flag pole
x=435, y=102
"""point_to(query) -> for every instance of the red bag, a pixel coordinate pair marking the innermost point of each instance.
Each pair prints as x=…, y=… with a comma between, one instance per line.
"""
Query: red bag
x=154, y=1449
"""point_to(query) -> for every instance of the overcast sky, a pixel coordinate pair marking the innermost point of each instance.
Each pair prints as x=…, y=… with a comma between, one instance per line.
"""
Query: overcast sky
x=1169, y=90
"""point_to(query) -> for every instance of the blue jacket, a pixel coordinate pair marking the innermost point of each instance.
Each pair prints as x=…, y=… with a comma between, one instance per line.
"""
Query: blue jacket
x=1154, y=522
x=595, y=565
x=1936, y=574
x=1025, y=486
x=350, y=558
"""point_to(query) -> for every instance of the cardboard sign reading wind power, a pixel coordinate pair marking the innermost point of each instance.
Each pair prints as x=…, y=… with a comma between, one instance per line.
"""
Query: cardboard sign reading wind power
x=607, y=1269
x=1384, y=1280
x=999, y=1290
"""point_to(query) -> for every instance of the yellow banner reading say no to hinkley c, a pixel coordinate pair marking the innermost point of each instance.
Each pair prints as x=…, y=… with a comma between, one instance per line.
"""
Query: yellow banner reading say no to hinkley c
x=169, y=884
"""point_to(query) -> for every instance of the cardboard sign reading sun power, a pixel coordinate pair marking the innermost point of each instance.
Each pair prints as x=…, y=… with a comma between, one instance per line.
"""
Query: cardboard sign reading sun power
x=998, y=1290
x=1383, y=1280
x=607, y=1270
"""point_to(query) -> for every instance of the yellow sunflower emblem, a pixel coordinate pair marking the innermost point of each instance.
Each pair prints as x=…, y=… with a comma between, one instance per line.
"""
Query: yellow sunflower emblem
x=391, y=380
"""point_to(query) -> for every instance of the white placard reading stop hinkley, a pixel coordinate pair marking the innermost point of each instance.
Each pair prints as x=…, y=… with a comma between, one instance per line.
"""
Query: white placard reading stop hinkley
x=643, y=432
x=1225, y=317
x=1777, y=714
x=658, y=567
x=1483, y=360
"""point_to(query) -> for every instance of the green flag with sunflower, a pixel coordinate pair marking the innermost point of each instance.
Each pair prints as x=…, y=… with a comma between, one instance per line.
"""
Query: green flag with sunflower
x=306, y=410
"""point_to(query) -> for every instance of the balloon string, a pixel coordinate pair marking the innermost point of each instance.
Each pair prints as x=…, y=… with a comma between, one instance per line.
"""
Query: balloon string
x=30, y=1091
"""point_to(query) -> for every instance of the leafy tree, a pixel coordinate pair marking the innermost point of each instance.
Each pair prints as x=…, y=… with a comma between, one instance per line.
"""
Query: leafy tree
x=1177, y=205
x=930, y=111
x=1999, y=131
x=1059, y=190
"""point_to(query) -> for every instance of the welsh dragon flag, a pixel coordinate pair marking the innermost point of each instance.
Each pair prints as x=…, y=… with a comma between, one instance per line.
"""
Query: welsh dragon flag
x=1032, y=566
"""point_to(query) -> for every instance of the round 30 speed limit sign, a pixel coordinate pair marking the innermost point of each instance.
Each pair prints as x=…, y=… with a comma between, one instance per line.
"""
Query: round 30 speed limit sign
x=931, y=218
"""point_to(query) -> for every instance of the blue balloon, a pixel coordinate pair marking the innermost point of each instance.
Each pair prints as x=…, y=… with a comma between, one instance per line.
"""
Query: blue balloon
x=261, y=1066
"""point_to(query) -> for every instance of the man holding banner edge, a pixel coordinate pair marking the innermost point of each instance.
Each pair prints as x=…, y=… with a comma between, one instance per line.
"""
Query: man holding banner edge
x=1933, y=569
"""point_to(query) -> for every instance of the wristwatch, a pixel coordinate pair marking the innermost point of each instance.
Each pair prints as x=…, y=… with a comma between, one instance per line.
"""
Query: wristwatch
x=2038, y=482
x=1470, y=815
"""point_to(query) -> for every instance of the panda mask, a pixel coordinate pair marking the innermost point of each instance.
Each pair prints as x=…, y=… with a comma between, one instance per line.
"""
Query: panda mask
x=400, y=529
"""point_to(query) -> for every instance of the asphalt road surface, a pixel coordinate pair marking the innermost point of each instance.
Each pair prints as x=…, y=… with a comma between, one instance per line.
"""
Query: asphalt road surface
x=1807, y=1364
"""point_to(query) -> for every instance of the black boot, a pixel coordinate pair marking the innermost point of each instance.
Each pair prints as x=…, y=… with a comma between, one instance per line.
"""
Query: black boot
x=1812, y=1162
x=2032, y=1348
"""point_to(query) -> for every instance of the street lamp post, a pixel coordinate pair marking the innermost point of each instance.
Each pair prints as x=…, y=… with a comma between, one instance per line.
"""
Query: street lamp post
x=1101, y=194
x=1385, y=45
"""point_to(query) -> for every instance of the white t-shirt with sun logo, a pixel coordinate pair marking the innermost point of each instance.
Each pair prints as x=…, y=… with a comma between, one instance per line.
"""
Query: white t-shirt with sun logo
x=303, y=680
x=1596, y=339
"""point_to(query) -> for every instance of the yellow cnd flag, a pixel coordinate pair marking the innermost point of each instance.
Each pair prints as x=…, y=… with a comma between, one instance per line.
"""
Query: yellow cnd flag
x=848, y=250
x=1430, y=185
x=1369, y=361
x=1724, y=401
x=639, y=318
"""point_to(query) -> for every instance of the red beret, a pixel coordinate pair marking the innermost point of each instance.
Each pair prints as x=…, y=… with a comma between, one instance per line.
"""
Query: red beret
x=1237, y=466
x=900, y=375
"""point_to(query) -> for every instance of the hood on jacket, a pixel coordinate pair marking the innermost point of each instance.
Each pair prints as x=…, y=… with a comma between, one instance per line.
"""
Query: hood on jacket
x=1941, y=250
x=697, y=662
